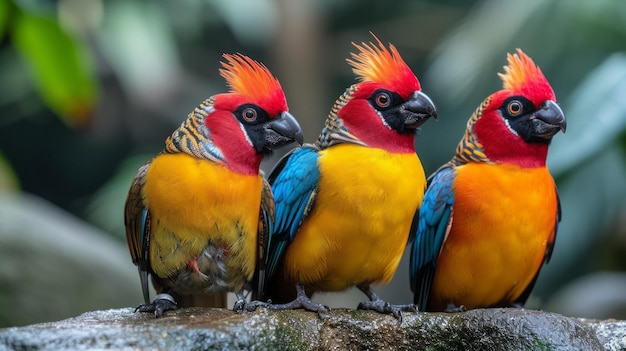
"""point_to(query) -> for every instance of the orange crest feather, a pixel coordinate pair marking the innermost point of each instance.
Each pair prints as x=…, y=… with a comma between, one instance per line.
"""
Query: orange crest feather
x=374, y=63
x=250, y=78
x=522, y=75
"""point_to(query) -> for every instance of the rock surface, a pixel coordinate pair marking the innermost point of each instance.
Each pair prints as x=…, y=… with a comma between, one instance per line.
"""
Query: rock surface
x=341, y=329
x=611, y=333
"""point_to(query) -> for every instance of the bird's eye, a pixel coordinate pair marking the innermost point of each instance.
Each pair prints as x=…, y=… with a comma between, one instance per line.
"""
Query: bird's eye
x=515, y=107
x=383, y=100
x=249, y=114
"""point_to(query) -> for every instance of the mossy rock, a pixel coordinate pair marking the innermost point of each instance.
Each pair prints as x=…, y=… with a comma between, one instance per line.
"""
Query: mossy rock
x=340, y=329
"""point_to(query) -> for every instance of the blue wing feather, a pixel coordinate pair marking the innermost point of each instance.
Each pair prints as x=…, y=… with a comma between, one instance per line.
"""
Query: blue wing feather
x=294, y=183
x=433, y=224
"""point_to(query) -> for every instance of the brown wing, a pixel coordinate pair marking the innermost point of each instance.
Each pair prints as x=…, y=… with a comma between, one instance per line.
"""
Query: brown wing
x=137, y=223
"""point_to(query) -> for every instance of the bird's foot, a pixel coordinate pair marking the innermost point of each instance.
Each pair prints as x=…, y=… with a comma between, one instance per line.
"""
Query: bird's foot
x=519, y=306
x=162, y=302
x=301, y=301
x=382, y=306
x=452, y=308
x=242, y=305
x=379, y=305
x=245, y=306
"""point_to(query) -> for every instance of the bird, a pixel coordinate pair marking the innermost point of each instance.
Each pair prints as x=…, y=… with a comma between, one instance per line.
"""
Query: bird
x=198, y=214
x=344, y=205
x=490, y=215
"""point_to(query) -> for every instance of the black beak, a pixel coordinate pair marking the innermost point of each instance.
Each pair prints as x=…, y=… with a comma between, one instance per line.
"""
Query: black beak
x=281, y=131
x=548, y=120
x=417, y=109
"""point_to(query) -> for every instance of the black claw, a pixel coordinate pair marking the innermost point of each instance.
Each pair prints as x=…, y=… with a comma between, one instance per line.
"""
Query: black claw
x=244, y=306
x=253, y=305
x=305, y=303
x=382, y=306
x=241, y=305
x=301, y=301
x=379, y=305
x=162, y=303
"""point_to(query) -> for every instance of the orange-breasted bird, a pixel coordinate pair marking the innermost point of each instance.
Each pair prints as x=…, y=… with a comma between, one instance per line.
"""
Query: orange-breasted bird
x=490, y=215
x=198, y=214
x=344, y=205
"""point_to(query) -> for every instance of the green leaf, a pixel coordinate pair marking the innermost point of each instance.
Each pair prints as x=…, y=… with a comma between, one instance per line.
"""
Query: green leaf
x=60, y=66
x=4, y=16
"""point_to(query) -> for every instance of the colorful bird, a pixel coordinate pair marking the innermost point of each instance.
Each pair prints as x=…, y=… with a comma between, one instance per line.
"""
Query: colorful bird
x=344, y=205
x=198, y=214
x=489, y=216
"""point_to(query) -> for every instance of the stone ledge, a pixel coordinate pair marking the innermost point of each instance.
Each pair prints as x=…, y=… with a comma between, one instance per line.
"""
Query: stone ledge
x=341, y=329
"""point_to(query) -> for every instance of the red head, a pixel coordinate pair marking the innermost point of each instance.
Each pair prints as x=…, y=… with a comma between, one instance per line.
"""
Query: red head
x=252, y=118
x=518, y=122
x=383, y=68
x=523, y=77
x=252, y=82
x=387, y=105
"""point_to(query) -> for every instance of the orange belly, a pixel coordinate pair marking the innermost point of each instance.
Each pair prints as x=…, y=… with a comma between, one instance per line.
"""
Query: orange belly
x=504, y=217
x=359, y=224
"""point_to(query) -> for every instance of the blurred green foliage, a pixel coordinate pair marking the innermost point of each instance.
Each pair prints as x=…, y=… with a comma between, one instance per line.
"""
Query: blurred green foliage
x=128, y=71
x=8, y=178
x=59, y=63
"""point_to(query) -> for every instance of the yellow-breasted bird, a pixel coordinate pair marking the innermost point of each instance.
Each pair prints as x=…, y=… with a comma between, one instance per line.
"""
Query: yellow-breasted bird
x=198, y=214
x=490, y=215
x=344, y=206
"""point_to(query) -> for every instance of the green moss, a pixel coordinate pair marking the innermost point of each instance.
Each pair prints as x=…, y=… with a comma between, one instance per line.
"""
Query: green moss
x=543, y=345
x=286, y=338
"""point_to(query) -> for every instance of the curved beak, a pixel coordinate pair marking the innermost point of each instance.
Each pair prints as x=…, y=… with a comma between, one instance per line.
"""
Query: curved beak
x=548, y=120
x=417, y=109
x=282, y=130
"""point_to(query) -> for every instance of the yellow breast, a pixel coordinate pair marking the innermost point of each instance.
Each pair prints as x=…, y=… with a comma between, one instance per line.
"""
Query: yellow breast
x=195, y=202
x=359, y=224
x=504, y=216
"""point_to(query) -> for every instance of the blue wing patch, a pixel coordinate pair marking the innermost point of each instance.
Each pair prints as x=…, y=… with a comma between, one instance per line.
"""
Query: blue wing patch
x=294, y=183
x=433, y=225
